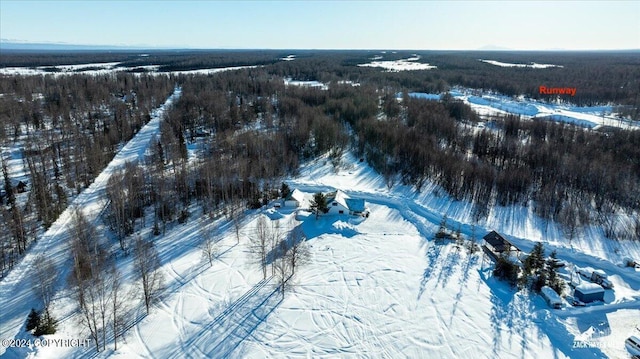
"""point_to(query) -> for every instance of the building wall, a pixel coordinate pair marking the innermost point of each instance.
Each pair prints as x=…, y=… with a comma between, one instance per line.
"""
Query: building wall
x=589, y=297
x=337, y=208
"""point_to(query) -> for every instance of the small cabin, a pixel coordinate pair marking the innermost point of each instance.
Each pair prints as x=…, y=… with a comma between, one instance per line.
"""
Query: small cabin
x=589, y=292
x=295, y=199
x=633, y=345
x=340, y=203
x=497, y=243
x=494, y=245
x=551, y=297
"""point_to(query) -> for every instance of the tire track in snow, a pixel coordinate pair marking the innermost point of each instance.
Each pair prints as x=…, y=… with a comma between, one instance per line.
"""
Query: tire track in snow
x=142, y=341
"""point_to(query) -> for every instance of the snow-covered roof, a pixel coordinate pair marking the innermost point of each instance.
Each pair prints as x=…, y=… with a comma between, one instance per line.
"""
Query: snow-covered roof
x=296, y=195
x=353, y=204
x=589, y=288
x=341, y=198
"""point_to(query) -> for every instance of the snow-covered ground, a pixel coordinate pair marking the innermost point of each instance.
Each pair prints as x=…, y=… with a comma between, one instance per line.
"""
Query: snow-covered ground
x=494, y=104
x=374, y=287
x=317, y=84
x=105, y=69
x=16, y=297
x=313, y=84
x=532, y=65
x=408, y=64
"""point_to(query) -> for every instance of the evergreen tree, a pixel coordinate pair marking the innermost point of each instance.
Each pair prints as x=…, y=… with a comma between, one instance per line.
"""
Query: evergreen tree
x=553, y=280
x=285, y=190
x=47, y=325
x=533, y=269
x=442, y=230
x=537, y=255
x=507, y=270
x=33, y=320
x=319, y=204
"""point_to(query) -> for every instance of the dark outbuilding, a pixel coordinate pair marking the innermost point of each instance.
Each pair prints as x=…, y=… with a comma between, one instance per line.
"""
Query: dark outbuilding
x=589, y=292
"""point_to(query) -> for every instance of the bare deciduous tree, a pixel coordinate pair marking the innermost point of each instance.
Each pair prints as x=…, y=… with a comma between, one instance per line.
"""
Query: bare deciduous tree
x=43, y=281
x=259, y=244
x=210, y=247
x=147, y=265
x=282, y=265
x=86, y=277
x=298, y=253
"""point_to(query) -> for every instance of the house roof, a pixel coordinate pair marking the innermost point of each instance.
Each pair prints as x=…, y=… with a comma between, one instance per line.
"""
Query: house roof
x=352, y=204
x=355, y=204
x=295, y=195
x=589, y=288
x=496, y=241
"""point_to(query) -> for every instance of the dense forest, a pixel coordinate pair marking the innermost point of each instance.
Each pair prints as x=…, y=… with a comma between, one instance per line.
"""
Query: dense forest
x=66, y=130
x=232, y=137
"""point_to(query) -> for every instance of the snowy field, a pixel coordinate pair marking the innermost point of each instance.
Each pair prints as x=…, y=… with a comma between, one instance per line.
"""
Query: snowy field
x=487, y=105
x=378, y=287
x=300, y=83
x=105, y=68
x=409, y=64
x=531, y=65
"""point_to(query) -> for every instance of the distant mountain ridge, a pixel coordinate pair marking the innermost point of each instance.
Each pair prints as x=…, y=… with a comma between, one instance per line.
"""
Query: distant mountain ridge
x=6, y=44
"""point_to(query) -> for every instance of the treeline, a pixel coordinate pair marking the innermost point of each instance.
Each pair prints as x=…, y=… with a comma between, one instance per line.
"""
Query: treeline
x=168, y=60
x=573, y=175
x=66, y=130
x=599, y=77
x=248, y=131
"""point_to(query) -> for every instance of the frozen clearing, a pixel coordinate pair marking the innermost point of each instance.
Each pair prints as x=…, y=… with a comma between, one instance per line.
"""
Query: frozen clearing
x=532, y=65
x=409, y=64
x=106, y=68
x=16, y=298
x=378, y=287
x=316, y=84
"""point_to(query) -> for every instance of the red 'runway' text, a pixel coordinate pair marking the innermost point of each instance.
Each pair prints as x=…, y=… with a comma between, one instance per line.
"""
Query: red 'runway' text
x=544, y=90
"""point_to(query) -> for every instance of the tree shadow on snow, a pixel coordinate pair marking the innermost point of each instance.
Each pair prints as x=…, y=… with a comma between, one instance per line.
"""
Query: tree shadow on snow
x=432, y=255
x=235, y=323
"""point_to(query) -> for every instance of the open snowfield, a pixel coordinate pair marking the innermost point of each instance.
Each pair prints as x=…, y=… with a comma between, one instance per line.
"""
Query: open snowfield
x=106, y=68
x=378, y=287
x=409, y=64
x=532, y=65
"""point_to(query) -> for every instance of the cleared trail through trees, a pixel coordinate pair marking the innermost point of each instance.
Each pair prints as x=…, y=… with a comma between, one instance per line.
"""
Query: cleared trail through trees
x=16, y=297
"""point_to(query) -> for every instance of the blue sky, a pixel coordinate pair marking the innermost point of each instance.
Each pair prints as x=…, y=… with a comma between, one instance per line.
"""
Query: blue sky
x=420, y=25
